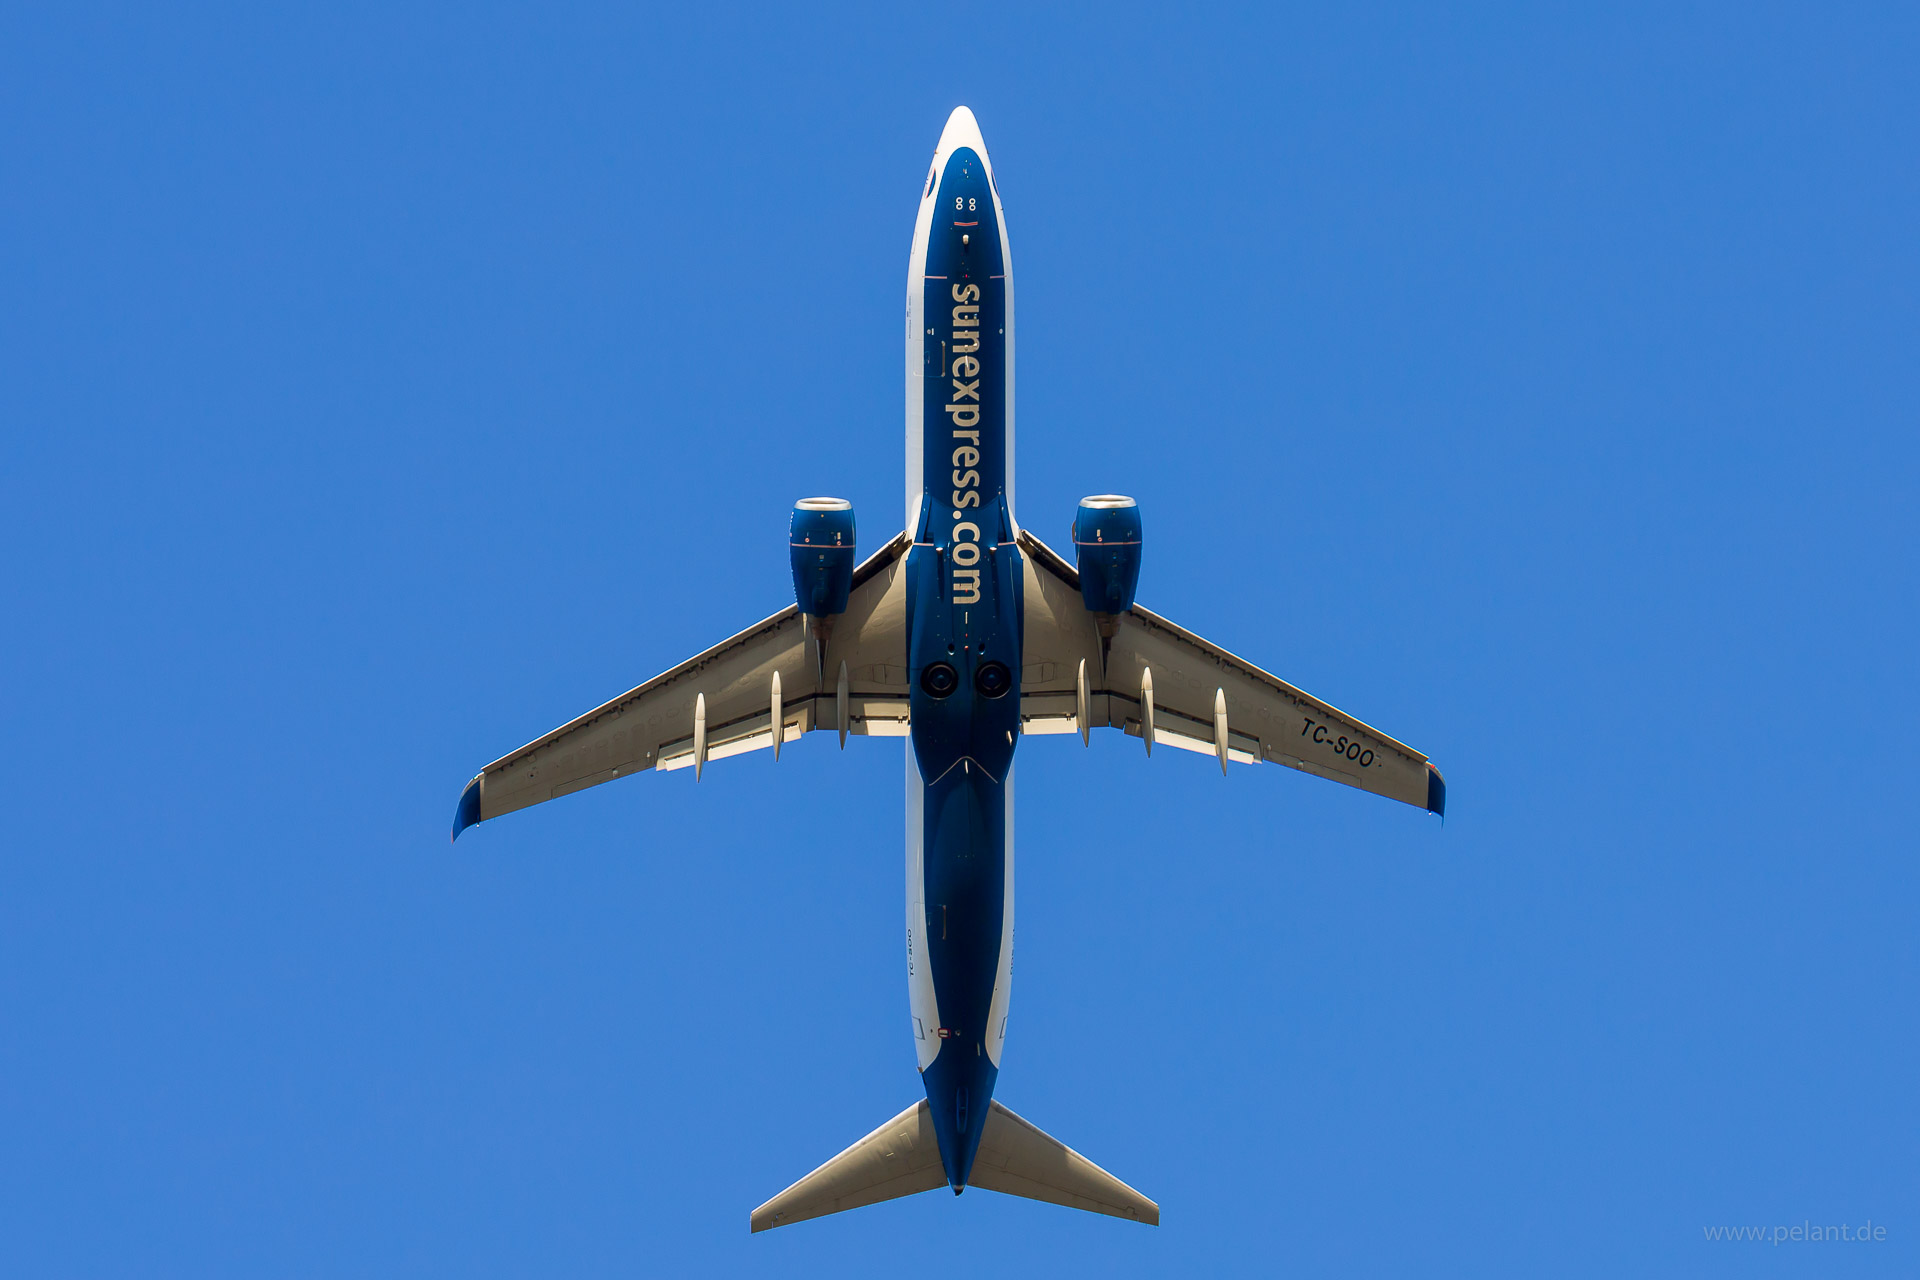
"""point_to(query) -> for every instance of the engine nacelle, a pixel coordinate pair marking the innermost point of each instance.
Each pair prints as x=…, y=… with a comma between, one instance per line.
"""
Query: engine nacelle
x=820, y=537
x=1106, y=544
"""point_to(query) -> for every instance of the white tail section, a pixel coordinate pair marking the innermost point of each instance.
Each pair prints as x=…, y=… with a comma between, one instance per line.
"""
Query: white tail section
x=900, y=1158
x=1017, y=1158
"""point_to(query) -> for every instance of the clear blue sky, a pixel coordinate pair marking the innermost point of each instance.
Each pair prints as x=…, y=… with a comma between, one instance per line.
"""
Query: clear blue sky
x=382, y=385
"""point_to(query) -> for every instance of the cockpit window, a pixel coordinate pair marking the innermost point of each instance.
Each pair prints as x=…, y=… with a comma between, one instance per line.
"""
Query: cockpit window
x=931, y=175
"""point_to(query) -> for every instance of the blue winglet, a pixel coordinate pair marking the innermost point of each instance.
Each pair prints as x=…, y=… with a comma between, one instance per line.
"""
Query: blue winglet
x=1436, y=792
x=468, y=812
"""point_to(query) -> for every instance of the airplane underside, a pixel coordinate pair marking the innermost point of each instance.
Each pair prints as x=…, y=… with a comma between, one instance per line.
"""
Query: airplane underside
x=964, y=634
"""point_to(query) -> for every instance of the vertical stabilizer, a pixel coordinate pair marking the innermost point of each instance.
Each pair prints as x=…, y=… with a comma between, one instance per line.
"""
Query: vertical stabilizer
x=1019, y=1159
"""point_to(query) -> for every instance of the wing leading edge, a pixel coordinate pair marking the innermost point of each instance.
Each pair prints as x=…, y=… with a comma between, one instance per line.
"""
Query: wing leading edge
x=849, y=675
x=1158, y=681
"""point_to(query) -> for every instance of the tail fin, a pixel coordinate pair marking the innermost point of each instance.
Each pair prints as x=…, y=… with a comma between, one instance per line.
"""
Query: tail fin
x=1017, y=1158
x=902, y=1158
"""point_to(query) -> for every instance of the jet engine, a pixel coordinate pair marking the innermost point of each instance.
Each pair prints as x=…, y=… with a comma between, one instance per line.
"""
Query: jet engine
x=1106, y=544
x=820, y=537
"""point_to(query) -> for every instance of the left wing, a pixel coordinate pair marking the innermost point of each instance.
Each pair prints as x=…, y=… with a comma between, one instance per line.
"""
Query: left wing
x=1160, y=682
x=849, y=675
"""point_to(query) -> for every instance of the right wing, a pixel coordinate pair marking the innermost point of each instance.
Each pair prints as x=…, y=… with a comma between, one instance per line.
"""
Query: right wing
x=721, y=702
x=1158, y=681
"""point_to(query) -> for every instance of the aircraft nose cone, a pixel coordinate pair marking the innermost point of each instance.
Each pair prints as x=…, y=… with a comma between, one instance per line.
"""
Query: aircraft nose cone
x=962, y=131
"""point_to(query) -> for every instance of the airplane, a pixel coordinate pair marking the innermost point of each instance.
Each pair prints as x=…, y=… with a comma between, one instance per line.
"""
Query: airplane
x=964, y=634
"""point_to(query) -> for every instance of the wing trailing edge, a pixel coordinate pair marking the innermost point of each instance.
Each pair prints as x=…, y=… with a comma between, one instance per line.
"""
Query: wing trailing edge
x=1153, y=679
x=769, y=672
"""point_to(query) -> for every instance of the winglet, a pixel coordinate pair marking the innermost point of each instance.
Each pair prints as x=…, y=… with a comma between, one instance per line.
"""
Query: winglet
x=468, y=811
x=1436, y=792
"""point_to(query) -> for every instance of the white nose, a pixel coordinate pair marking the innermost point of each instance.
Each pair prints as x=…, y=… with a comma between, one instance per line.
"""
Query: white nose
x=962, y=131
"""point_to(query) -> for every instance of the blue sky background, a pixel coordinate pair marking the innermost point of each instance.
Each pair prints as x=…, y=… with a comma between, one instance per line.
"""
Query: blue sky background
x=381, y=386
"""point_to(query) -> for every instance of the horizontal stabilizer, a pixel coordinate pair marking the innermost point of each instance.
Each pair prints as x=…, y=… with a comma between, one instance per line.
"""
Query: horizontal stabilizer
x=900, y=1158
x=1020, y=1160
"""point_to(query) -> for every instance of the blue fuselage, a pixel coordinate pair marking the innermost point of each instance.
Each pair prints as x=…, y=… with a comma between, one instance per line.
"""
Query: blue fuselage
x=964, y=592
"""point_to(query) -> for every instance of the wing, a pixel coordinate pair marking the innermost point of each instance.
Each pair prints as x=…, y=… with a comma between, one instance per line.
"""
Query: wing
x=1161, y=682
x=847, y=673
